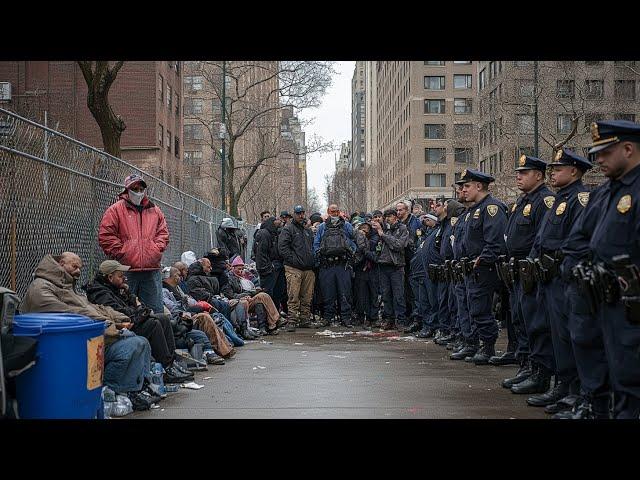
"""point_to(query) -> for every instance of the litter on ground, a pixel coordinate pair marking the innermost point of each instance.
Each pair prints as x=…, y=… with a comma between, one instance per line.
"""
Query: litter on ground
x=192, y=386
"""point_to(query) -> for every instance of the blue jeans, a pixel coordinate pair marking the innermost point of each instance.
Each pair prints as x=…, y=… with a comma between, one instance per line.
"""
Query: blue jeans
x=230, y=333
x=147, y=286
x=126, y=363
x=198, y=336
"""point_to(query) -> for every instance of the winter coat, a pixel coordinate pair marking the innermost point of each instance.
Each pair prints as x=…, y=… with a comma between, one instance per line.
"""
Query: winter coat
x=234, y=288
x=51, y=291
x=228, y=242
x=362, y=260
x=101, y=292
x=200, y=285
x=266, y=247
x=134, y=236
x=394, y=241
x=295, y=244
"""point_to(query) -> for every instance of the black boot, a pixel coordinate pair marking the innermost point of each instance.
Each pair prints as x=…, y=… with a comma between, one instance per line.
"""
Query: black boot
x=484, y=354
x=523, y=373
x=554, y=394
x=413, y=327
x=537, y=383
x=445, y=338
x=469, y=350
x=507, y=358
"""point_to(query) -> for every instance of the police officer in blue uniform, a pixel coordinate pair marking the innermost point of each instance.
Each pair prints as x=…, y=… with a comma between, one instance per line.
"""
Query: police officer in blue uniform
x=616, y=255
x=484, y=242
x=571, y=199
x=454, y=210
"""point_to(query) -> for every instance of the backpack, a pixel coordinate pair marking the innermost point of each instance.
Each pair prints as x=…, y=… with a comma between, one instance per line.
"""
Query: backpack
x=334, y=241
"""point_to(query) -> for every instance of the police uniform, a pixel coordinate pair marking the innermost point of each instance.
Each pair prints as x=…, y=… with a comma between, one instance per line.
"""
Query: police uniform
x=618, y=233
x=533, y=336
x=484, y=239
x=446, y=250
x=568, y=206
x=435, y=288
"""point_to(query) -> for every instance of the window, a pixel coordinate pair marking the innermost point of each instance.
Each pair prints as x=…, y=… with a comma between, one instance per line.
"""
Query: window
x=463, y=130
x=216, y=108
x=169, y=97
x=193, y=132
x=565, y=89
x=625, y=116
x=160, y=134
x=161, y=88
x=526, y=88
x=482, y=79
x=462, y=105
x=168, y=141
x=176, y=147
x=178, y=68
x=462, y=81
x=462, y=62
x=564, y=123
x=463, y=155
x=435, y=155
x=625, y=89
x=594, y=89
x=435, y=180
x=193, y=155
x=594, y=63
x=193, y=83
x=483, y=165
x=457, y=177
x=177, y=104
x=193, y=106
x=525, y=124
x=435, y=131
x=434, y=106
x=493, y=69
x=434, y=63
x=434, y=83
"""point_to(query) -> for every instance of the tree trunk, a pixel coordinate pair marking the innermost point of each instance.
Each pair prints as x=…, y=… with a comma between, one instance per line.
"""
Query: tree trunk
x=232, y=202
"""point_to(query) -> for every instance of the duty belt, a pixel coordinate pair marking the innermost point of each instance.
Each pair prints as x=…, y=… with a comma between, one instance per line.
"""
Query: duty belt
x=507, y=270
x=620, y=282
x=548, y=266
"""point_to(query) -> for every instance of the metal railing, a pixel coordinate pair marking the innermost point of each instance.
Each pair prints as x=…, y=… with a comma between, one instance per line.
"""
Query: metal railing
x=54, y=191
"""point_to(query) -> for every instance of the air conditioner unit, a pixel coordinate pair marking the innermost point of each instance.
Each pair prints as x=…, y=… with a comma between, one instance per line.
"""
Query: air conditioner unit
x=5, y=91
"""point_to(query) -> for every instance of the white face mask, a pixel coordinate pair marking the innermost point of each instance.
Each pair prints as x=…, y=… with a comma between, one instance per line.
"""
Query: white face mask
x=135, y=197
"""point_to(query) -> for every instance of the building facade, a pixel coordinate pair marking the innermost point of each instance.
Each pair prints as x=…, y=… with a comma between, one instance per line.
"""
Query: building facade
x=147, y=95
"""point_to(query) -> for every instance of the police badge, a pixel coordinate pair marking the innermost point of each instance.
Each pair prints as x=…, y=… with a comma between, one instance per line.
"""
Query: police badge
x=561, y=208
x=548, y=201
x=624, y=205
x=527, y=210
x=492, y=209
x=418, y=232
x=583, y=198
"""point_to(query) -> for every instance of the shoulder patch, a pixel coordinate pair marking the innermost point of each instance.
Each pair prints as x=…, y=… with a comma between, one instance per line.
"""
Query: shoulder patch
x=548, y=201
x=454, y=220
x=492, y=209
x=583, y=198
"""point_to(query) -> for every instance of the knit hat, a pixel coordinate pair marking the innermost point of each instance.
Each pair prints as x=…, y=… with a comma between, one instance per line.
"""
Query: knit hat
x=237, y=262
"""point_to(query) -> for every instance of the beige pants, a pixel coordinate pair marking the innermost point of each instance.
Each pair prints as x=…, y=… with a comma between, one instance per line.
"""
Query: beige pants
x=300, y=291
x=203, y=321
x=269, y=306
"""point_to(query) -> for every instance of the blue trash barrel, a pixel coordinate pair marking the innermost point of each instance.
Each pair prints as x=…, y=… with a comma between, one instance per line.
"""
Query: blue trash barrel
x=66, y=381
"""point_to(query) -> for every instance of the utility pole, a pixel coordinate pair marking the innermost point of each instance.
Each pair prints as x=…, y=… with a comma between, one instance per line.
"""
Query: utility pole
x=223, y=132
x=535, y=108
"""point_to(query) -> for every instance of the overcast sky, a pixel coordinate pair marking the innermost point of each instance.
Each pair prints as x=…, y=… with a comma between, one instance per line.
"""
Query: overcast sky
x=332, y=122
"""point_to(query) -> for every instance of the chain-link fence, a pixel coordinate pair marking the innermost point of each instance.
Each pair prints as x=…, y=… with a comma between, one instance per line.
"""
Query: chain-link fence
x=54, y=191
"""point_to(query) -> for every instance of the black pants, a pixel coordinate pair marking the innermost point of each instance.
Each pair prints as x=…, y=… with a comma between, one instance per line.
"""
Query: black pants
x=160, y=335
x=393, y=294
x=335, y=283
x=366, y=294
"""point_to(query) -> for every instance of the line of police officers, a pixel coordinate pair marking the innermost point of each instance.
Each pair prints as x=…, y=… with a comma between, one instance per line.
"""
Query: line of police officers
x=570, y=262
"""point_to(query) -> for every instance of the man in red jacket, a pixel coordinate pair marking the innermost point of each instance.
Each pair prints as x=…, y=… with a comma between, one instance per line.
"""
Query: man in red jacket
x=134, y=232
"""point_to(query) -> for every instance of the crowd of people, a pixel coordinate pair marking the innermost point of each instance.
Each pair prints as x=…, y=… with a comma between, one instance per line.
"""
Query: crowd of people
x=558, y=269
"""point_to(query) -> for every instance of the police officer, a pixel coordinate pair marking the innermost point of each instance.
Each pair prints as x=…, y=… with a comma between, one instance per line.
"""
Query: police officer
x=426, y=289
x=524, y=222
x=334, y=248
x=484, y=242
x=418, y=280
x=616, y=147
x=569, y=204
x=453, y=210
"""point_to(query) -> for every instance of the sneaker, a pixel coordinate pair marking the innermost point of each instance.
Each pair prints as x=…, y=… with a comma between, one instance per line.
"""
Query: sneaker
x=230, y=354
x=139, y=401
x=173, y=375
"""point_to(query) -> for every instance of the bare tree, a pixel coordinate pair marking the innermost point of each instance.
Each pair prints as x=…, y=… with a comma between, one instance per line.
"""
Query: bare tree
x=99, y=76
x=313, y=202
x=255, y=95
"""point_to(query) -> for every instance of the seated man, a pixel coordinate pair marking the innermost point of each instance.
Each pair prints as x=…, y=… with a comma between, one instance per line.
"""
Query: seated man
x=109, y=288
x=269, y=318
x=178, y=304
x=127, y=358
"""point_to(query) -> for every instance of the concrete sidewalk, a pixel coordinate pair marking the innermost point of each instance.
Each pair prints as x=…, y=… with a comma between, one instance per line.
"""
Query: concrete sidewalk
x=306, y=375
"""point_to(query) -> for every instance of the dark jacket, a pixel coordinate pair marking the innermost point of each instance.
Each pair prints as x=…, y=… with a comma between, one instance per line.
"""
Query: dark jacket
x=295, y=244
x=101, y=292
x=394, y=241
x=266, y=247
x=228, y=242
x=413, y=225
x=200, y=285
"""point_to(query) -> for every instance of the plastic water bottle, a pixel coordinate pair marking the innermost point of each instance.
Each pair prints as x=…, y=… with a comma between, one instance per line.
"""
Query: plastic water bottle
x=156, y=377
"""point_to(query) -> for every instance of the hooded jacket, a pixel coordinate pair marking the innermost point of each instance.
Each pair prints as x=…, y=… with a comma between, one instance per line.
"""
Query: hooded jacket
x=101, y=292
x=51, y=291
x=228, y=241
x=266, y=247
x=200, y=285
x=134, y=236
x=295, y=244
